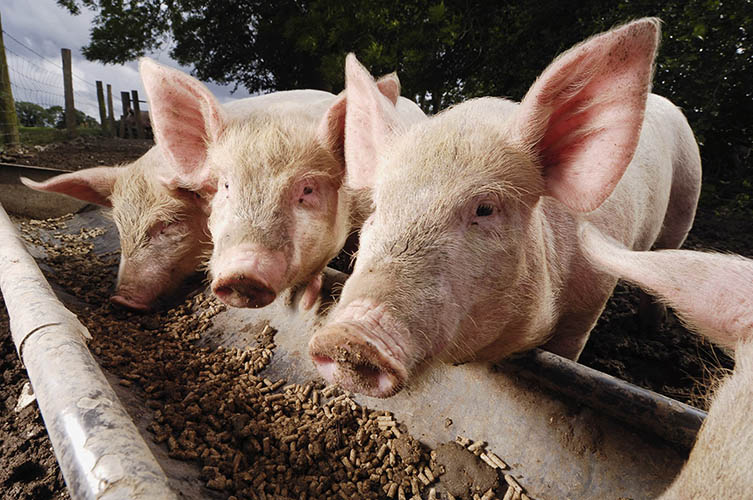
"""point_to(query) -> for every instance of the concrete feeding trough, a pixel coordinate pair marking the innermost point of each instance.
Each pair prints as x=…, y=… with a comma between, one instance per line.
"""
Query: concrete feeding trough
x=36, y=204
x=570, y=431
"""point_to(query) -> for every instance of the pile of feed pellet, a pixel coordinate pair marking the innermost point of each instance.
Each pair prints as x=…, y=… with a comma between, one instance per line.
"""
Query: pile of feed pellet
x=253, y=437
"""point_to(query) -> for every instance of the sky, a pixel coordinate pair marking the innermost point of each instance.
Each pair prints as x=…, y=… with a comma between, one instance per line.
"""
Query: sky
x=45, y=28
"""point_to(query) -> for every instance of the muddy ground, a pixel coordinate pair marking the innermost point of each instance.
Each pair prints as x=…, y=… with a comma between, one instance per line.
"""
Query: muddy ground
x=671, y=361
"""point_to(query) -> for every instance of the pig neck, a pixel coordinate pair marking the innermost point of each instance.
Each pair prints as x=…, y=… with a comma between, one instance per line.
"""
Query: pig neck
x=547, y=253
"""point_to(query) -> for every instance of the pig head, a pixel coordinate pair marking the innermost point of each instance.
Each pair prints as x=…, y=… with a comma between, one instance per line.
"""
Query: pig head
x=281, y=202
x=472, y=250
x=162, y=231
x=713, y=295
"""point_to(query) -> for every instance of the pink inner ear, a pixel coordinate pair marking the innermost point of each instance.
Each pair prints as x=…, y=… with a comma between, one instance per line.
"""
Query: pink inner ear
x=92, y=185
x=186, y=117
x=389, y=86
x=584, y=114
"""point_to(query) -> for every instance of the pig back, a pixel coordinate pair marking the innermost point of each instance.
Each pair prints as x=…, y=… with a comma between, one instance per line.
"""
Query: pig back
x=659, y=191
x=313, y=103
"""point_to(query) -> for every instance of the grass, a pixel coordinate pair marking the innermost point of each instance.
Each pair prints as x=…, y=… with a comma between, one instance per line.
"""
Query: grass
x=31, y=136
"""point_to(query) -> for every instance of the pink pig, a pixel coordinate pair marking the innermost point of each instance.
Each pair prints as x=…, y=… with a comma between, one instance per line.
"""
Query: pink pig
x=712, y=294
x=472, y=251
x=161, y=219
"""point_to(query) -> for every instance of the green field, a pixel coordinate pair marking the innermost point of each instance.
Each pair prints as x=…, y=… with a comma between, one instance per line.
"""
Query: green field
x=45, y=135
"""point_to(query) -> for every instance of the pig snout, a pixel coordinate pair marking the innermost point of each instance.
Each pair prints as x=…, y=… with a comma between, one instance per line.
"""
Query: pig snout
x=362, y=355
x=250, y=278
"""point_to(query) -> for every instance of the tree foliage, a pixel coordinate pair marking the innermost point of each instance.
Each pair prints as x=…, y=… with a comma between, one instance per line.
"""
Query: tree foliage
x=446, y=51
x=34, y=115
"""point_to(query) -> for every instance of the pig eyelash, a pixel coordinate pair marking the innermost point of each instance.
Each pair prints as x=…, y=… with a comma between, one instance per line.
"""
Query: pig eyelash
x=484, y=210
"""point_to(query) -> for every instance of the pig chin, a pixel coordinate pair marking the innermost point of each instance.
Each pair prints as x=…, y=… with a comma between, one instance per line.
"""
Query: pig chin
x=364, y=350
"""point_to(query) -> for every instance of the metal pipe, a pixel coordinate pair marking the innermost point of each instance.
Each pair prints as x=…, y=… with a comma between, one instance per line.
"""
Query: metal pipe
x=100, y=451
x=635, y=406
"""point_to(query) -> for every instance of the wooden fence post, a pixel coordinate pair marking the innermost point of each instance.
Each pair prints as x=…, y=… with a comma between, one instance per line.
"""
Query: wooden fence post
x=125, y=99
x=102, y=109
x=137, y=114
x=8, y=117
x=70, y=110
x=110, y=114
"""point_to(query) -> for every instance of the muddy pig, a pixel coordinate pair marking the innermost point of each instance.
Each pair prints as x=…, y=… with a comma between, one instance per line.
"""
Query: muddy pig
x=713, y=295
x=283, y=200
x=162, y=220
x=472, y=250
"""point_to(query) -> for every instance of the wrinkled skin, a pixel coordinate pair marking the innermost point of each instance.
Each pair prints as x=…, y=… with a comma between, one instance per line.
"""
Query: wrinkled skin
x=472, y=250
x=713, y=295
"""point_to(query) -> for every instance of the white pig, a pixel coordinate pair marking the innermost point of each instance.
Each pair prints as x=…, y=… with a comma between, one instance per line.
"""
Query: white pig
x=282, y=205
x=161, y=220
x=712, y=294
x=472, y=250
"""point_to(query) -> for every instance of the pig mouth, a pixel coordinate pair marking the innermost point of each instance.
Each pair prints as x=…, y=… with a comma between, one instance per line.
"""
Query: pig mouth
x=355, y=365
x=243, y=291
x=359, y=355
x=128, y=302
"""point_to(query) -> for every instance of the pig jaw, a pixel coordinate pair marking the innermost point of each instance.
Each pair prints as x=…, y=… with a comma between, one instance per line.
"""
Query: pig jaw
x=364, y=350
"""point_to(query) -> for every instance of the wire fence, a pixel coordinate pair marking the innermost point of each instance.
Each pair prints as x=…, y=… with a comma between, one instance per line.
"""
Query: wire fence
x=38, y=80
x=36, y=83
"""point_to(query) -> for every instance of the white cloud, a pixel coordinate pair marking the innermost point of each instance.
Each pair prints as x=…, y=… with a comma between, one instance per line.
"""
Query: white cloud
x=45, y=27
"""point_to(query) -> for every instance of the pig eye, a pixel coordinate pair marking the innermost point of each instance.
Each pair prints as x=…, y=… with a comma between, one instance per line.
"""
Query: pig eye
x=227, y=185
x=307, y=190
x=159, y=228
x=484, y=210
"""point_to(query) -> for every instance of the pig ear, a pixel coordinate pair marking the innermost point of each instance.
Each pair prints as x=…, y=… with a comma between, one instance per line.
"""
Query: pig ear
x=92, y=185
x=583, y=115
x=389, y=86
x=331, y=132
x=371, y=120
x=712, y=293
x=332, y=127
x=186, y=117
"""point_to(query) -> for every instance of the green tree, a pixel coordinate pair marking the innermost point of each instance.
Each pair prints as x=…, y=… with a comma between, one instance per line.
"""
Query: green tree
x=30, y=114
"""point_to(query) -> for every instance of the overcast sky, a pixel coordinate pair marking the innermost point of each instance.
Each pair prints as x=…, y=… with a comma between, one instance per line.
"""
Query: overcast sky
x=44, y=27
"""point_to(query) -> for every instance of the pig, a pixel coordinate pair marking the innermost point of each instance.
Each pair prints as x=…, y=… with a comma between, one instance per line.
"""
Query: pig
x=282, y=200
x=713, y=295
x=162, y=221
x=472, y=252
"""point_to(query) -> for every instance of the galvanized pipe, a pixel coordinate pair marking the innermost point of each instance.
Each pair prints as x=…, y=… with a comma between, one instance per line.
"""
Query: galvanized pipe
x=100, y=451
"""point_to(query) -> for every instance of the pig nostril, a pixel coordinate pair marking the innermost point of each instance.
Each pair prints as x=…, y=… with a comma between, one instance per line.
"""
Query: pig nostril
x=244, y=292
x=326, y=366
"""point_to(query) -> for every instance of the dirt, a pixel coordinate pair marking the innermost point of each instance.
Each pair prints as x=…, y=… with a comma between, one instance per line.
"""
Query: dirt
x=464, y=473
x=81, y=152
